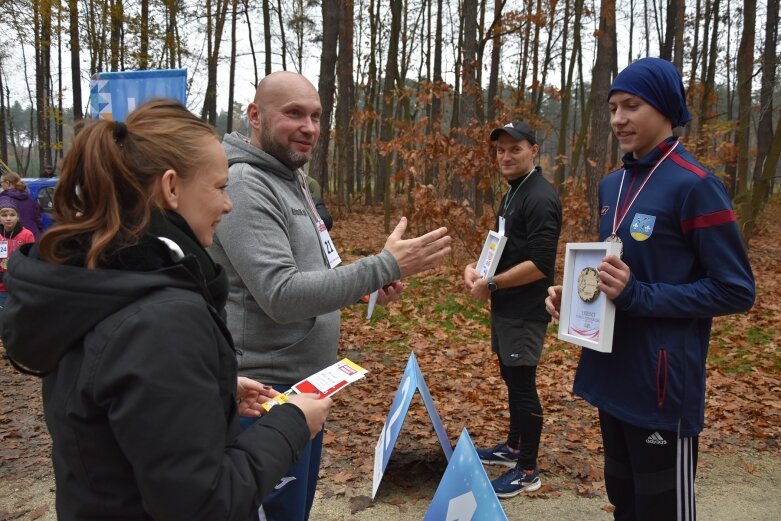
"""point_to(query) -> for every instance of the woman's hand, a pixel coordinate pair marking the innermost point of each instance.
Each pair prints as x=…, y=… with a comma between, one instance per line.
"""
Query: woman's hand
x=314, y=408
x=252, y=395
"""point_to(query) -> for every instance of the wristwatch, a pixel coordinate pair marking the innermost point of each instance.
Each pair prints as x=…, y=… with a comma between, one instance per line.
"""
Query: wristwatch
x=491, y=284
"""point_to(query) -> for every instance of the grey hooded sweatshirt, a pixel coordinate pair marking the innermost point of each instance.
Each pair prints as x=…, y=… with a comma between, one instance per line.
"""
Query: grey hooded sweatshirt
x=283, y=307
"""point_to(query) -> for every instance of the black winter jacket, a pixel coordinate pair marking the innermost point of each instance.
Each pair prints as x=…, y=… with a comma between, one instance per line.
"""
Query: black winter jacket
x=140, y=393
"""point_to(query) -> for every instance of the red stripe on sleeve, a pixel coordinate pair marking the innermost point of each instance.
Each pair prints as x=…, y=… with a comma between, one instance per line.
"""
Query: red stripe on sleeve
x=699, y=172
x=705, y=221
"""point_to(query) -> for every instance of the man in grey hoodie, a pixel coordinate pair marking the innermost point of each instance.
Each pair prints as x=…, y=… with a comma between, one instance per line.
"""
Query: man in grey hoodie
x=283, y=308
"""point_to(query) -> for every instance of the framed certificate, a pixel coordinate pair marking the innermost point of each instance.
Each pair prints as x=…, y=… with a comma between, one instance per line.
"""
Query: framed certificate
x=492, y=252
x=586, y=316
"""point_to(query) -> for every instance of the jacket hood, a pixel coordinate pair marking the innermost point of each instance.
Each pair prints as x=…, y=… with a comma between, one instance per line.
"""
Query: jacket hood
x=51, y=307
x=19, y=195
x=240, y=150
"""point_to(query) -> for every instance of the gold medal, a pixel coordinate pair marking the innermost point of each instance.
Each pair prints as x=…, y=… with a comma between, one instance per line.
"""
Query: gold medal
x=616, y=239
x=587, y=284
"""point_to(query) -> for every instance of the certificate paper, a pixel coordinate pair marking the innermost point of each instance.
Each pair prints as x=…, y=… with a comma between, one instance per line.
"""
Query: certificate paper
x=325, y=382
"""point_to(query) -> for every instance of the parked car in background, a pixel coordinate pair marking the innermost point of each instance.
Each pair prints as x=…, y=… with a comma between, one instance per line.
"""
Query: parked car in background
x=42, y=189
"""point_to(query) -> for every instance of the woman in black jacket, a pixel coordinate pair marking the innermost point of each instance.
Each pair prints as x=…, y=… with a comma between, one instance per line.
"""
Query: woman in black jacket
x=139, y=371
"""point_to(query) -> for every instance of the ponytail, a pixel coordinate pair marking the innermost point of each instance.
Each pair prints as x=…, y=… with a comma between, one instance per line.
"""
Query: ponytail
x=106, y=191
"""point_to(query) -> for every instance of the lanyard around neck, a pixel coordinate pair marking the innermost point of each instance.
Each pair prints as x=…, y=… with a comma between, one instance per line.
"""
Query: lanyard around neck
x=514, y=191
x=618, y=220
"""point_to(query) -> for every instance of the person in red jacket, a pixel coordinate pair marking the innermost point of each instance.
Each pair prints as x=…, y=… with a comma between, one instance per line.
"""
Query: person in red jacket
x=13, y=235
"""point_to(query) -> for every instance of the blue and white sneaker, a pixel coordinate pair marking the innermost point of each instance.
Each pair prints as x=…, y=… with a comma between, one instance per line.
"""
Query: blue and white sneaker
x=515, y=481
x=499, y=455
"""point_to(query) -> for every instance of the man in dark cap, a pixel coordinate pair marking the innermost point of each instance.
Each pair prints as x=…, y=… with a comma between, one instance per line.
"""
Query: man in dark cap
x=530, y=218
x=48, y=171
x=683, y=262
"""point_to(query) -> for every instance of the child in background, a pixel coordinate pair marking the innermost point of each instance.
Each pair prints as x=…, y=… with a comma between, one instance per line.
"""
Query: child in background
x=12, y=235
x=27, y=207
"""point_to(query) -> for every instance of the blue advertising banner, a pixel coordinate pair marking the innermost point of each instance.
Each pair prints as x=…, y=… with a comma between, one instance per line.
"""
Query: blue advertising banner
x=411, y=381
x=465, y=492
x=113, y=95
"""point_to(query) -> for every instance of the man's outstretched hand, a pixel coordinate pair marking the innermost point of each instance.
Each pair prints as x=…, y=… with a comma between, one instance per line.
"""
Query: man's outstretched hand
x=418, y=254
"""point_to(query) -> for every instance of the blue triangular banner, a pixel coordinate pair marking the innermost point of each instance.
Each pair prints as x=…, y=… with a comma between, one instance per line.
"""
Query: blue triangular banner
x=465, y=492
x=411, y=381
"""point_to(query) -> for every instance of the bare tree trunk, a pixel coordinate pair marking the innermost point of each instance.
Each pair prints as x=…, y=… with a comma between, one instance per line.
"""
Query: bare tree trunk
x=728, y=62
x=745, y=71
x=647, y=29
x=3, y=118
x=386, y=128
x=669, y=33
x=631, y=30
x=214, y=38
x=496, y=55
x=232, y=65
x=680, y=20
x=708, y=87
x=370, y=156
x=282, y=35
x=471, y=98
x=59, y=134
x=705, y=36
x=251, y=39
x=435, y=123
x=143, y=54
x=658, y=13
x=566, y=99
x=171, y=42
x=117, y=35
x=344, y=110
x=455, y=112
x=596, y=153
x=585, y=108
x=769, y=66
x=42, y=16
x=267, y=35
x=535, y=86
x=695, y=45
x=318, y=166
x=552, y=11
x=73, y=31
x=525, y=54
x=759, y=195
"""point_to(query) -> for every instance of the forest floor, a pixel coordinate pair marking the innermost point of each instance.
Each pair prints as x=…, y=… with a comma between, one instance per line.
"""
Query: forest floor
x=739, y=475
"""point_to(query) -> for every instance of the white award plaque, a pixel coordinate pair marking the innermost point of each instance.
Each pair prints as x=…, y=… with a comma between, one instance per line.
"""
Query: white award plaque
x=492, y=252
x=586, y=316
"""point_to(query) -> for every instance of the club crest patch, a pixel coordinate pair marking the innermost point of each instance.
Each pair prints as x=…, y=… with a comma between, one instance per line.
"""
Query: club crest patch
x=642, y=226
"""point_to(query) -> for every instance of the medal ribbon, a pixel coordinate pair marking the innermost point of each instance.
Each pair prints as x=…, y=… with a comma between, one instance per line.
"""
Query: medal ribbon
x=616, y=220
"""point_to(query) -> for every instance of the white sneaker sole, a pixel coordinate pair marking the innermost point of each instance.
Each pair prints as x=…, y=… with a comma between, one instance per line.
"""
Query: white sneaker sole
x=530, y=488
x=509, y=464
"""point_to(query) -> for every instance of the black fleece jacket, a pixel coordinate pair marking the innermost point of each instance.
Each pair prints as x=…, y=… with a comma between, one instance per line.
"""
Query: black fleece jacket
x=532, y=226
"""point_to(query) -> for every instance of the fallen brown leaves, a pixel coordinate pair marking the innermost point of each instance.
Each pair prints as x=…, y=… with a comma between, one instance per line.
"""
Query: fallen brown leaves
x=448, y=332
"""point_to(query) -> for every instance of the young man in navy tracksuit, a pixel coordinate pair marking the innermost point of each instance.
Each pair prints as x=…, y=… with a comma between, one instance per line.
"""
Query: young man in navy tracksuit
x=683, y=262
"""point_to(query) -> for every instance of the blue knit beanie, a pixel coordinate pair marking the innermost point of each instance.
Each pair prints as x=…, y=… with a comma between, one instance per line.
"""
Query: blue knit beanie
x=657, y=82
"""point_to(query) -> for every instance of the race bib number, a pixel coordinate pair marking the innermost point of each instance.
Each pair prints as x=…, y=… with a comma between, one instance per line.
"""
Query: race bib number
x=328, y=245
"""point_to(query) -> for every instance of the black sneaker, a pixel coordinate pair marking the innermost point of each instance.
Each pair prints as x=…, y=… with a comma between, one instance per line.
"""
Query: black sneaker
x=499, y=455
